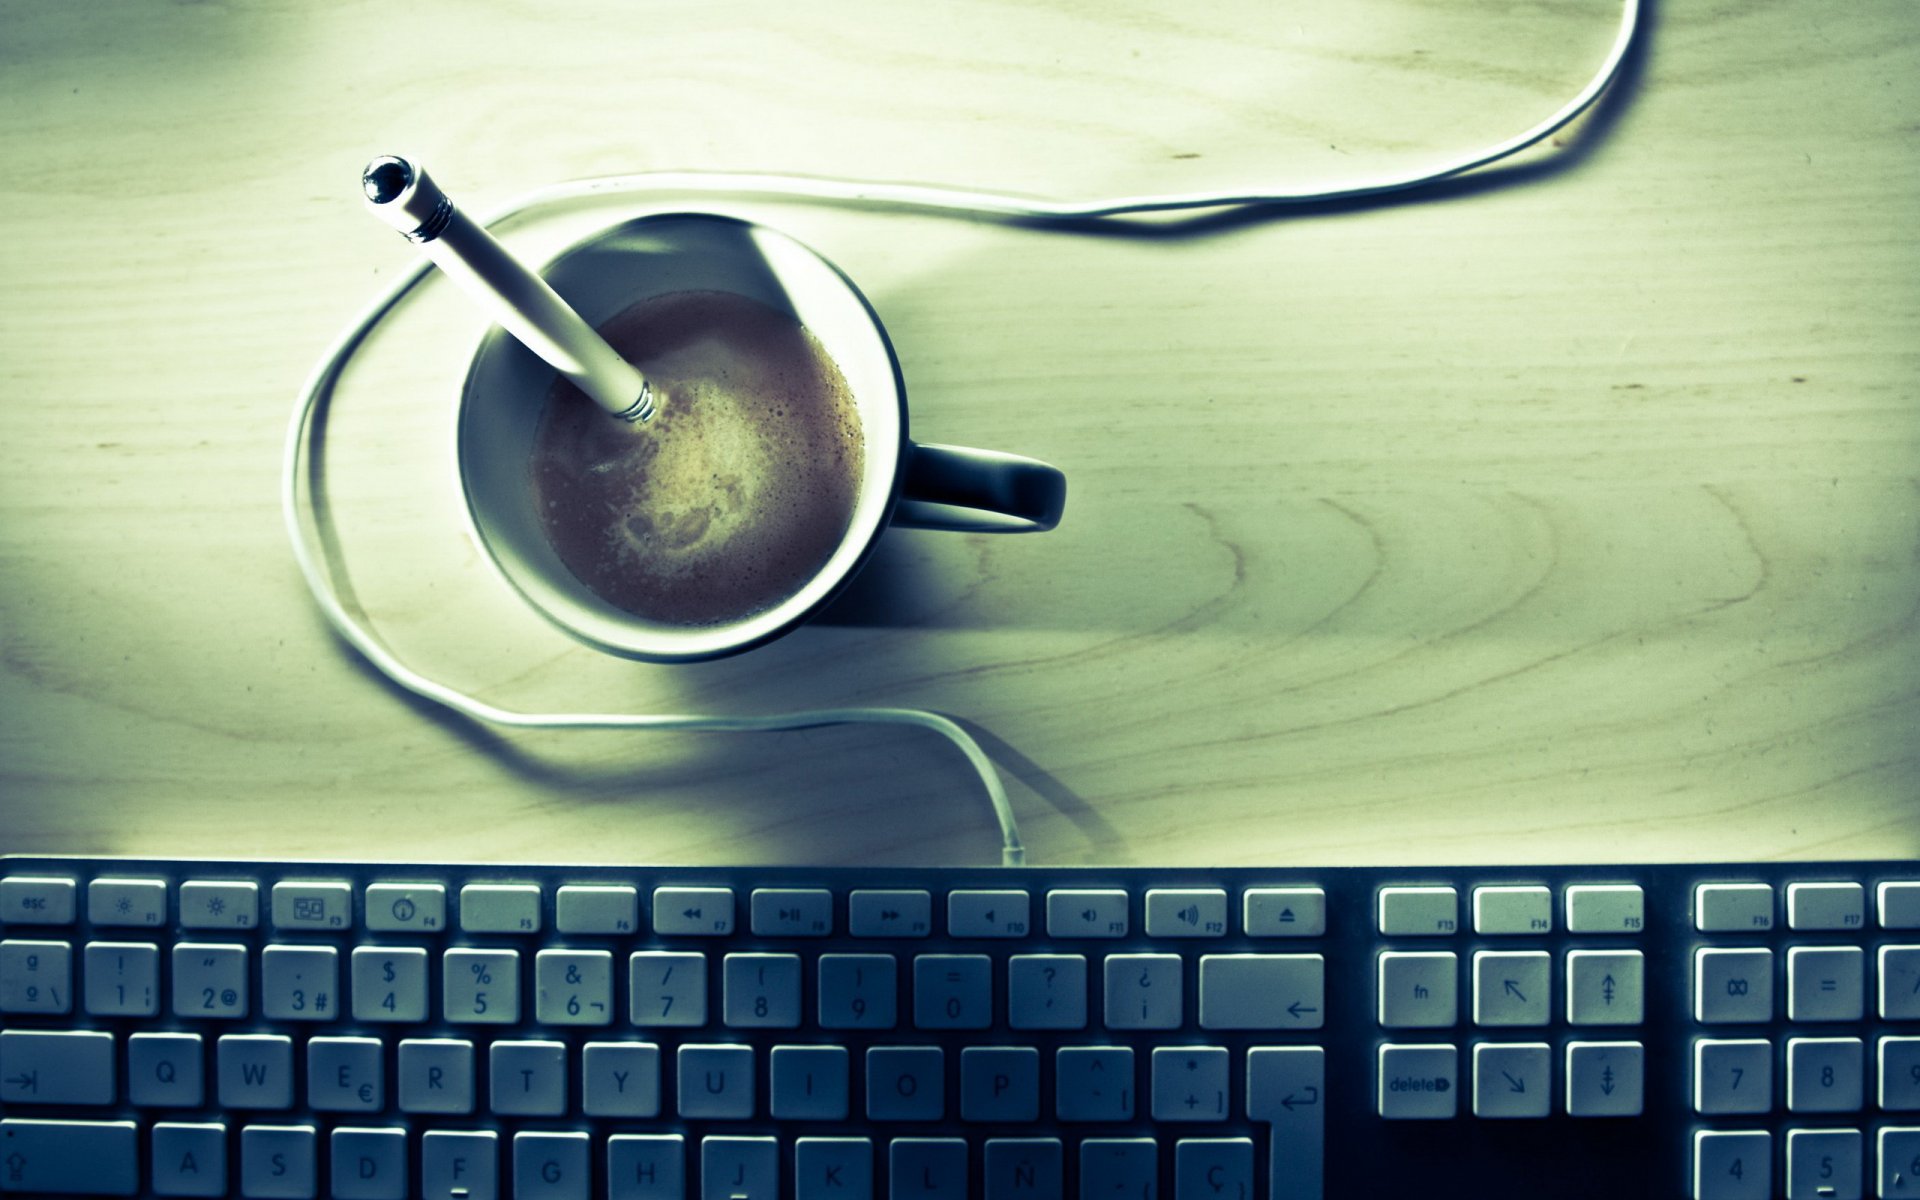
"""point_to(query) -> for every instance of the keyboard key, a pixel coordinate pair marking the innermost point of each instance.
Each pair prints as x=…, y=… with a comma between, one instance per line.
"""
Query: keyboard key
x=597, y=908
x=1418, y=1082
x=36, y=977
x=1284, y=1088
x=739, y=1168
x=1899, y=1074
x=1087, y=913
x=791, y=912
x=1284, y=912
x=1000, y=1083
x=219, y=904
x=667, y=989
x=646, y=1166
x=952, y=991
x=1899, y=905
x=255, y=1070
x=1732, y=1165
x=1262, y=991
x=716, y=1082
x=1047, y=991
x=858, y=991
x=460, y=1164
x=389, y=983
x=70, y=1158
x=906, y=1083
x=210, y=981
x=37, y=900
x=833, y=1168
x=1605, y=908
x=1826, y=906
x=300, y=983
x=56, y=1067
x=997, y=913
x=500, y=908
x=1825, y=1074
x=123, y=979
x=1733, y=907
x=1510, y=1079
x=480, y=987
x=808, y=1083
x=1514, y=909
x=1900, y=983
x=879, y=913
x=1210, y=1168
x=1899, y=1159
x=1606, y=987
x=1510, y=987
x=927, y=1169
x=1419, y=911
x=368, y=1164
x=1418, y=990
x=1732, y=987
x=761, y=991
x=1189, y=1083
x=529, y=1078
x=166, y=1070
x=312, y=904
x=1823, y=1163
x=345, y=1074
x=436, y=1076
x=1143, y=991
x=1118, y=1168
x=552, y=1166
x=1826, y=983
x=1605, y=1079
x=189, y=1158
x=137, y=902
x=1732, y=1077
x=1093, y=1083
x=407, y=907
x=1186, y=912
x=693, y=911
x=620, y=1079
x=573, y=987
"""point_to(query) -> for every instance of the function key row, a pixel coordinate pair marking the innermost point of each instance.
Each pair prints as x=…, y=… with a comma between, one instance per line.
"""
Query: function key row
x=1738, y=907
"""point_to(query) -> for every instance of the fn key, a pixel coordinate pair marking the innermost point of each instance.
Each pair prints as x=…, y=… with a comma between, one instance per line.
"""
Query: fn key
x=68, y=1158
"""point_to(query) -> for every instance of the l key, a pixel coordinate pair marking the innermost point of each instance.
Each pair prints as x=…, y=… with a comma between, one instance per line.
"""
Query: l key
x=1286, y=1088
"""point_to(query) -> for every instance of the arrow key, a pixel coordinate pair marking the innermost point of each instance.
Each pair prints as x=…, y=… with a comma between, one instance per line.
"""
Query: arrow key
x=1605, y=987
x=1605, y=1079
x=1510, y=1080
x=1510, y=987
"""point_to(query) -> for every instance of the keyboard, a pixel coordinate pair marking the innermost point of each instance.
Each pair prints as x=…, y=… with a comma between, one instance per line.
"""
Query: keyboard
x=369, y=1030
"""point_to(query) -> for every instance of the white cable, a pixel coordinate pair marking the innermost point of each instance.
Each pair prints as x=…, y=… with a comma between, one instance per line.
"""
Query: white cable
x=317, y=568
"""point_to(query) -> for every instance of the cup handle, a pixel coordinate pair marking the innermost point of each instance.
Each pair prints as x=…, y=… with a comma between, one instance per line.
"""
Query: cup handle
x=978, y=491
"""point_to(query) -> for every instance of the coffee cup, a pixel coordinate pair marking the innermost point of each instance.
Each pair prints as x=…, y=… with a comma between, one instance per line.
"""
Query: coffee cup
x=894, y=481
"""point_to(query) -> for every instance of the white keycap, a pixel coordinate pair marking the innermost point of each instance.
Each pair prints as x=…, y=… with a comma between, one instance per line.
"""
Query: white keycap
x=210, y=981
x=1510, y=1079
x=620, y=1079
x=1262, y=991
x=1732, y=1164
x=739, y=1168
x=56, y=1067
x=1284, y=912
x=1418, y=1082
x=137, y=902
x=882, y=913
x=1825, y=1074
x=1285, y=1085
x=279, y=1160
x=790, y=912
x=500, y=908
x=646, y=1166
x=1606, y=1079
x=528, y=1078
x=37, y=900
x=1826, y=906
x=715, y=1081
x=761, y=991
x=552, y=1166
x=1087, y=913
x=300, y=983
x=906, y=1083
x=1047, y=991
x=219, y=904
x=1186, y=912
x=1900, y=983
x=480, y=987
x=1211, y=1168
x=1899, y=1076
x=312, y=904
x=1143, y=991
x=1732, y=987
x=1900, y=907
x=122, y=979
x=807, y=1083
x=1823, y=1163
x=255, y=1070
x=573, y=987
x=75, y=1158
x=1190, y=1083
x=988, y=913
x=1118, y=1168
x=189, y=1158
x=1510, y=987
x=368, y=1164
x=436, y=1075
x=344, y=1074
x=1605, y=908
x=1093, y=1083
x=952, y=991
x=406, y=907
x=1606, y=987
x=858, y=991
x=1418, y=990
x=1733, y=1076
x=1733, y=907
x=667, y=989
x=1826, y=983
x=460, y=1164
x=389, y=983
x=693, y=911
x=166, y=1070
x=833, y=1168
x=36, y=977
x=597, y=908
x=1419, y=911
x=1899, y=1159
x=1513, y=909
x=927, y=1169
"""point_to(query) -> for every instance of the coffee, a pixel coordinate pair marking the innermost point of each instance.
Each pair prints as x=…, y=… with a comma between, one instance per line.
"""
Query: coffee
x=739, y=489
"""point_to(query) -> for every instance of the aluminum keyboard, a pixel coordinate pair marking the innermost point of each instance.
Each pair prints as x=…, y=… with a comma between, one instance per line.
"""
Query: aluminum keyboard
x=362, y=1030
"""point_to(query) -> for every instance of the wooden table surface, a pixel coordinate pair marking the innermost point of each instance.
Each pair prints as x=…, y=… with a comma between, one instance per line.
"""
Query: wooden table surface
x=1568, y=512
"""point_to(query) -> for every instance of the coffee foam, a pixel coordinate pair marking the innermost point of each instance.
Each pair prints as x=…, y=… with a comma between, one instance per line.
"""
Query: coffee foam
x=739, y=489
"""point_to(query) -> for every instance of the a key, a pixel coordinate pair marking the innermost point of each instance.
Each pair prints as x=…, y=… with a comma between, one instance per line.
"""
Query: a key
x=300, y=983
x=481, y=987
x=906, y=1083
x=667, y=989
x=368, y=1164
x=1143, y=991
x=255, y=1070
x=1285, y=1089
x=529, y=1078
x=460, y=1165
x=1262, y=991
x=620, y=1079
x=1189, y=1083
x=1093, y=1083
x=551, y=1166
x=1047, y=991
x=389, y=983
x=210, y=981
x=808, y=1083
x=716, y=1082
x=952, y=991
x=1119, y=1169
x=1023, y=1168
x=573, y=987
x=646, y=1166
x=344, y=1074
x=1213, y=1169
x=36, y=977
x=858, y=991
x=999, y=1083
x=833, y=1168
x=436, y=1075
x=279, y=1161
x=739, y=1168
